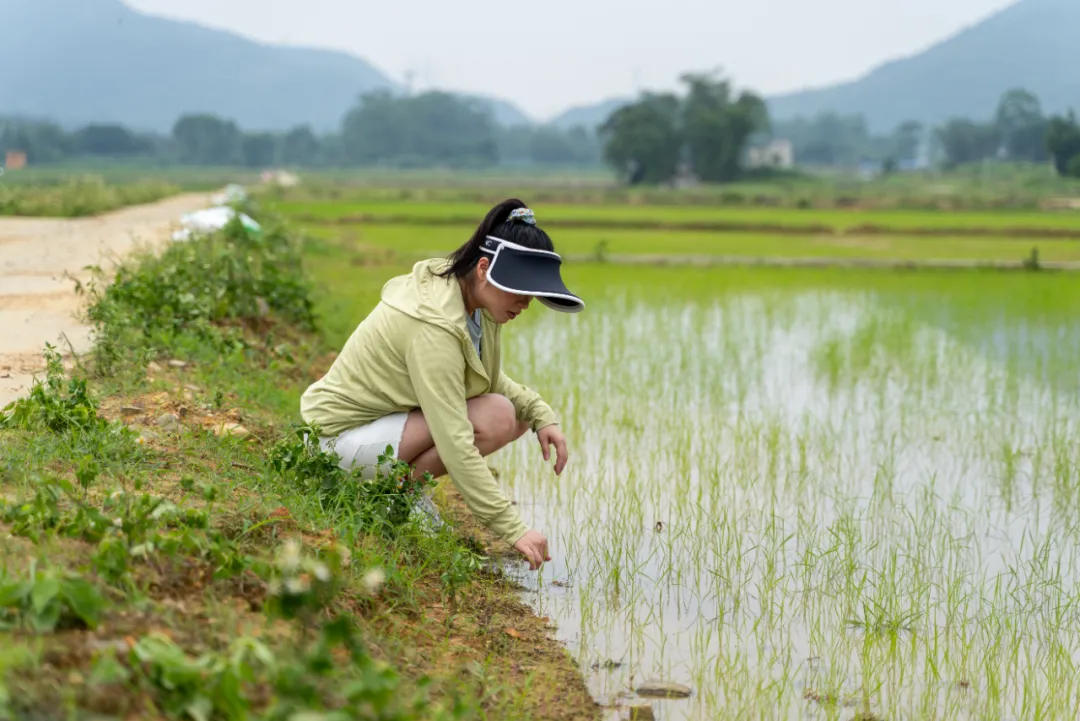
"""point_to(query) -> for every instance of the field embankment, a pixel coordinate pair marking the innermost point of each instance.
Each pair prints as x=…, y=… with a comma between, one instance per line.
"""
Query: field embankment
x=177, y=548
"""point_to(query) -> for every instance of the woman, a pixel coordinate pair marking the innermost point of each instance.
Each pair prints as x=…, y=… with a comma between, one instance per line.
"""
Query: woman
x=422, y=372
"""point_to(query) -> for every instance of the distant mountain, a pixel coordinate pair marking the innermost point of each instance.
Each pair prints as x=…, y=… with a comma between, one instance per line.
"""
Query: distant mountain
x=77, y=61
x=1033, y=44
x=588, y=115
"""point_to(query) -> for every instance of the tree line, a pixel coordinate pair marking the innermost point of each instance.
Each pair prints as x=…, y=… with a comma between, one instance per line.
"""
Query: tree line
x=702, y=132
x=1018, y=131
x=426, y=129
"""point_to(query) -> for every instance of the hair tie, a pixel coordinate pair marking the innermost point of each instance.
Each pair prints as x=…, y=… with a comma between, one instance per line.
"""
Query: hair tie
x=525, y=215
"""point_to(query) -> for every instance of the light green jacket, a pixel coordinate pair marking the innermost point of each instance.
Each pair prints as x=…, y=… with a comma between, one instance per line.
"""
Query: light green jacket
x=413, y=351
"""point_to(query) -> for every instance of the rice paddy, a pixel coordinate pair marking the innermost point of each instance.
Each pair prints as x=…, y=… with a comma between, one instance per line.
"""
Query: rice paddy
x=686, y=216
x=804, y=493
x=809, y=499
x=411, y=241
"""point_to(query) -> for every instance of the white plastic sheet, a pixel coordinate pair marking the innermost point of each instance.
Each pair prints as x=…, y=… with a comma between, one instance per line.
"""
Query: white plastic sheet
x=210, y=220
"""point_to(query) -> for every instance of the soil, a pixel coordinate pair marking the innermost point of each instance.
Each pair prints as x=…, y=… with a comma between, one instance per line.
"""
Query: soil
x=41, y=262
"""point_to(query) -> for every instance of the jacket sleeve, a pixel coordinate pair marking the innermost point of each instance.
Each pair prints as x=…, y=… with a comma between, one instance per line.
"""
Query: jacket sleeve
x=437, y=372
x=528, y=405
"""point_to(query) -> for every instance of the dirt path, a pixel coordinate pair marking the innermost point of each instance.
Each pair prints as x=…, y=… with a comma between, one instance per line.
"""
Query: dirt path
x=40, y=257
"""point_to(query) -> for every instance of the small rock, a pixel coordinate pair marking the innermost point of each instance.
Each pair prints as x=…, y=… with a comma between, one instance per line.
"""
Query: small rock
x=177, y=363
x=107, y=644
x=153, y=367
x=231, y=429
x=145, y=437
x=663, y=689
x=130, y=410
x=262, y=308
x=168, y=422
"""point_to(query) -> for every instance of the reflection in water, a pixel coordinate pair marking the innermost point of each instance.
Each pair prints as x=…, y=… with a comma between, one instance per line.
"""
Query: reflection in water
x=806, y=505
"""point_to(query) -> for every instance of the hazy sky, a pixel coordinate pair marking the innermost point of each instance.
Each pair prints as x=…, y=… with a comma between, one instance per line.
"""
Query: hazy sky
x=547, y=56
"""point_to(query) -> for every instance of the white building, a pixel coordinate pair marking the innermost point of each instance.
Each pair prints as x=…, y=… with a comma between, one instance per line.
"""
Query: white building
x=777, y=153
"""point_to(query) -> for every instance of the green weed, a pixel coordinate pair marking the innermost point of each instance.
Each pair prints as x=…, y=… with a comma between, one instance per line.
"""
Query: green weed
x=48, y=599
x=204, y=291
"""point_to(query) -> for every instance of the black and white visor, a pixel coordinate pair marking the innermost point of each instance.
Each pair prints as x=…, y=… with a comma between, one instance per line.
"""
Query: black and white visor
x=528, y=271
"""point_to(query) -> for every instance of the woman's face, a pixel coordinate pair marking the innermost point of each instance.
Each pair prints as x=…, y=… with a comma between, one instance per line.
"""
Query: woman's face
x=502, y=306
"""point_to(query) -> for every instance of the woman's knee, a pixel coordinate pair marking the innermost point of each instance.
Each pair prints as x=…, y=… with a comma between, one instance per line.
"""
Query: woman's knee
x=495, y=419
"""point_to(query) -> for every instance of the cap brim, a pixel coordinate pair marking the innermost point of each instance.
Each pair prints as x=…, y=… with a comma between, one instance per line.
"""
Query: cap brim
x=527, y=271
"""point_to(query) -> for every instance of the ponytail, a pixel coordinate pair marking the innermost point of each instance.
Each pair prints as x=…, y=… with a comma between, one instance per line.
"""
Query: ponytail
x=497, y=222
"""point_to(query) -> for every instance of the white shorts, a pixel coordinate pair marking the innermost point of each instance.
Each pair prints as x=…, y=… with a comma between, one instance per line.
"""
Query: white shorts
x=361, y=447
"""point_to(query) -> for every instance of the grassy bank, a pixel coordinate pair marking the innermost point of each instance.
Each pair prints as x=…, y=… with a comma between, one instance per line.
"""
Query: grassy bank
x=79, y=195
x=78, y=189
x=177, y=549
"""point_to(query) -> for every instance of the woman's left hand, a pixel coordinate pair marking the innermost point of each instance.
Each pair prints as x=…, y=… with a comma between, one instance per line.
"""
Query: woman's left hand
x=547, y=436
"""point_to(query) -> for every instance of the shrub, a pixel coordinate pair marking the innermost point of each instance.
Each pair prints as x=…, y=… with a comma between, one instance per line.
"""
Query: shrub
x=380, y=503
x=208, y=287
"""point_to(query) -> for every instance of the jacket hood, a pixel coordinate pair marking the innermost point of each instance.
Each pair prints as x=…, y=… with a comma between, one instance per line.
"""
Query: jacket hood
x=426, y=296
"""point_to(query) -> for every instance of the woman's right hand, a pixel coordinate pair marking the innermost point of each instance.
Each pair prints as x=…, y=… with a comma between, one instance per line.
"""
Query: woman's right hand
x=533, y=546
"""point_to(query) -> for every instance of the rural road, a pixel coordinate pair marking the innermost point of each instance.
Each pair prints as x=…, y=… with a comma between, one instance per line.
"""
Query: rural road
x=40, y=257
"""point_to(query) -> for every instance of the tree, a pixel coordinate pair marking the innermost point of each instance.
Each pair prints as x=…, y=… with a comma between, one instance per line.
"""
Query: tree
x=41, y=140
x=716, y=126
x=207, y=139
x=1021, y=125
x=425, y=129
x=299, y=146
x=258, y=150
x=829, y=139
x=643, y=140
x=905, y=140
x=965, y=141
x=549, y=144
x=1063, y=142
x=108, y=139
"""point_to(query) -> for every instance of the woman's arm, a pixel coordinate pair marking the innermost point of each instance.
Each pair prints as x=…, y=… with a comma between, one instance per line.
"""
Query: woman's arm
x=530, y=407
x=437, y=372
x=528, y=404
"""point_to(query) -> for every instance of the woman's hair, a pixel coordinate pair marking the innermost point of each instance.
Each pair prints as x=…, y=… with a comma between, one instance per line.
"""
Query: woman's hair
x=497, y=223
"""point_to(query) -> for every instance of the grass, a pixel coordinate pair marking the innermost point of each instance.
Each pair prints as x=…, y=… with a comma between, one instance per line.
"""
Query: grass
x=79, y=189
x=983, y=186
x=175, y=549
x=681, y=217
x=803, y=492
x=408, y=241
x=75, y=196
x=407, y=222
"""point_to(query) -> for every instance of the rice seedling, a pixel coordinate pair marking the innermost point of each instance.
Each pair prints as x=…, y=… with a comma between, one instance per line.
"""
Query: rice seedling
x=813, y=495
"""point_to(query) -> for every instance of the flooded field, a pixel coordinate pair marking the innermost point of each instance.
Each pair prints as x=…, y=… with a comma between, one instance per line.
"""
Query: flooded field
x=812, y=495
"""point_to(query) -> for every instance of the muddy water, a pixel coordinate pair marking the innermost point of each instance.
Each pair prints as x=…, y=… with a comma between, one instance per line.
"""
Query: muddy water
x=807, y=504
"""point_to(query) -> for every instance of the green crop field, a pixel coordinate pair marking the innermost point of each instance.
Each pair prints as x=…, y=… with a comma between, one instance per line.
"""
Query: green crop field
x=803, y=492
x=691, y=216
x=416, y=241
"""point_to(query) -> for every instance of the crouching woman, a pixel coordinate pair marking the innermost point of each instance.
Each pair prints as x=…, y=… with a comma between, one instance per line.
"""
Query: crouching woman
x=422, y=373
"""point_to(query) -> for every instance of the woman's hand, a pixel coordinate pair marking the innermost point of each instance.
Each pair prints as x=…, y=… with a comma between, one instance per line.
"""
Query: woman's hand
x=547, y=436
x=533, y=546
